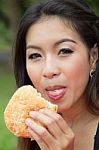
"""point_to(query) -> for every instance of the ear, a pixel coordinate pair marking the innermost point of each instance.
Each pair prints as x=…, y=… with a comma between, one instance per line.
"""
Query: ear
x=93, y=57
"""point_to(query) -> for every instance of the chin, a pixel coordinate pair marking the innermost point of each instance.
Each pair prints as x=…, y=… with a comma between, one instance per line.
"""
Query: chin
x=62, y=109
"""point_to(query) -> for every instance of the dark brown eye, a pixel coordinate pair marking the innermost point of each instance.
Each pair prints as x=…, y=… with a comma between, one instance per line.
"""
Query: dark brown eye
x=34, y=56
x=65, y=51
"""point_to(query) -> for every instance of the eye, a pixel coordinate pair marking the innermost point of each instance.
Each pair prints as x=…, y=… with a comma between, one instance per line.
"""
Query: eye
x=34, y=56
x=65, y=51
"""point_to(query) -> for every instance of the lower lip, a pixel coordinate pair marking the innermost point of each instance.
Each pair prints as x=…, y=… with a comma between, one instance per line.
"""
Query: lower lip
x=56, y=96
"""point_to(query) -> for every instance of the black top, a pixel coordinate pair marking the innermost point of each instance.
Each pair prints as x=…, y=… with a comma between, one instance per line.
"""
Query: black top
x=96, y=138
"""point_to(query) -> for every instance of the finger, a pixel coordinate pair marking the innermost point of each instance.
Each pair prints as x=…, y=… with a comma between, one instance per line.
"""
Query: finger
x=40, y=131
x=48, y=122
x=58, y=119
x=38, y=139
x=67, y=138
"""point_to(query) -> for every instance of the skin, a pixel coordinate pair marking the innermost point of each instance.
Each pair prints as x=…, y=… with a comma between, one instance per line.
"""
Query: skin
x=58, y=65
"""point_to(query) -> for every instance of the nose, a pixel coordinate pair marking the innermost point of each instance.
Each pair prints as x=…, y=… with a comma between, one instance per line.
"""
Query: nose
x=51, y=69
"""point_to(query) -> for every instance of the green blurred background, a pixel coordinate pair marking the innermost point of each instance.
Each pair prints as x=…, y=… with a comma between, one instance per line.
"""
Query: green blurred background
x=10, y=14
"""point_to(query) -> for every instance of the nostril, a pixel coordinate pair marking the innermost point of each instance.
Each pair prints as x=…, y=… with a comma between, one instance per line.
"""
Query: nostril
x=51, y=75
x=50, y=71
x=54, y=75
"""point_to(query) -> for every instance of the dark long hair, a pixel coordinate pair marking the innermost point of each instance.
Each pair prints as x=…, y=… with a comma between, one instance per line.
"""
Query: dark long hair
x=83, y=20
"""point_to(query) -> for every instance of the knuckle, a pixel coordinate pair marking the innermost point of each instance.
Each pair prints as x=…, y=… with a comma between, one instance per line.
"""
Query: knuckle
x=69, y=141
x=50, y=122
x=72, y=136
x=42, y=133
x=58, y=118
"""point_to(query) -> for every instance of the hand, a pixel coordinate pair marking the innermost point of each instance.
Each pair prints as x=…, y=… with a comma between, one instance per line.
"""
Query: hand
x=54, y=135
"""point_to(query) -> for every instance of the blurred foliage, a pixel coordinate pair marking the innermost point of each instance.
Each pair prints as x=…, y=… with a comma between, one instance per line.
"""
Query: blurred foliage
x=7, y=88
x=94, y=4
x=9, y=20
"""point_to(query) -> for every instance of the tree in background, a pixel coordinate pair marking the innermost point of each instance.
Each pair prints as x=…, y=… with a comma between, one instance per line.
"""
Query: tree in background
x=94, y=4
x=12, y=10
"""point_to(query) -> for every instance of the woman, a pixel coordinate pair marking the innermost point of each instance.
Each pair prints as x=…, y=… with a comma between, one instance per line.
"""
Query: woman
x=56, y=51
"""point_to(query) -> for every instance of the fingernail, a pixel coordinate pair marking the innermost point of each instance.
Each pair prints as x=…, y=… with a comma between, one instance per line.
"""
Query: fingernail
x=27, y=121
x=32, y=113
x=42, y=110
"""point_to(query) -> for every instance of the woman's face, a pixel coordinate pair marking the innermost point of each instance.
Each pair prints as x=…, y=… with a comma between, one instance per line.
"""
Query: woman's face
x=57, y=62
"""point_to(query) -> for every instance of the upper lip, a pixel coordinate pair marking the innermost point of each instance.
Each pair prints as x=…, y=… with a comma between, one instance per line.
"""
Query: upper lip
x=55, y=87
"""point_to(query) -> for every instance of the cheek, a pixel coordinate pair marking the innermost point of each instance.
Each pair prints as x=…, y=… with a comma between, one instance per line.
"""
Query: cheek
x=33, y=74
x=78, y=73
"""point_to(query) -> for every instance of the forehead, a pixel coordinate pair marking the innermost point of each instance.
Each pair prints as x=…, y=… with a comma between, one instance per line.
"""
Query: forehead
x=51, y=27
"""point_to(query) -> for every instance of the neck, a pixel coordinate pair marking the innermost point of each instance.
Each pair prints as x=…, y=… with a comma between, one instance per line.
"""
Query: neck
x=78, y=116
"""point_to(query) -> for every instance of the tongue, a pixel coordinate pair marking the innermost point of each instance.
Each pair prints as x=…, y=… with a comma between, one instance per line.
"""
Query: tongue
x=56, y=92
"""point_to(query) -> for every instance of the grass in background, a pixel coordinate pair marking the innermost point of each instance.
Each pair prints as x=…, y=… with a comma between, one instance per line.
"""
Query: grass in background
x=7, y=88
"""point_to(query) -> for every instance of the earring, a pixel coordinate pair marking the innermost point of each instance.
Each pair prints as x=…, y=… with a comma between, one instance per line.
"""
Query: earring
x=91, y=73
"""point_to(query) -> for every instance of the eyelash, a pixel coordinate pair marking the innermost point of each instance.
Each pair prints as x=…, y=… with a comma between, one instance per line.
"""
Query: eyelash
x=34, y=56
x=65, y=51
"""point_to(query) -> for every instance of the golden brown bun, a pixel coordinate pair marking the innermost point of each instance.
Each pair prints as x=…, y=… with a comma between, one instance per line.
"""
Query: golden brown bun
x=24, y=100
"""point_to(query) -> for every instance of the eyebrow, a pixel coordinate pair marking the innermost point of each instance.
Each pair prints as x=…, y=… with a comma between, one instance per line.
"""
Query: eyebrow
x=57, y=43
x=65, y=40
x=33, y=47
